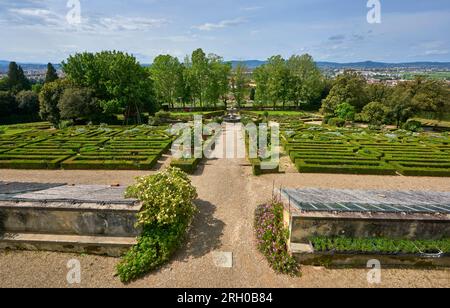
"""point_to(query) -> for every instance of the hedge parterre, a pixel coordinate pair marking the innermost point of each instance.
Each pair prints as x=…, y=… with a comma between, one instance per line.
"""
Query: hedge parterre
x=315, y=149
x=87, y=147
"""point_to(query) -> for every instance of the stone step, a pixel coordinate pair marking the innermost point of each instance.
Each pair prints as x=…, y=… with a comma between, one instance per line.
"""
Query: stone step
x=98, y=245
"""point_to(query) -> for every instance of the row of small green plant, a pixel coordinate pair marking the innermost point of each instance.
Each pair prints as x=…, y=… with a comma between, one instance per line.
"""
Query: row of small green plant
x=321, y=150
x=272, y=238
x=379, y=245
x=167, y=212
x=96, y=147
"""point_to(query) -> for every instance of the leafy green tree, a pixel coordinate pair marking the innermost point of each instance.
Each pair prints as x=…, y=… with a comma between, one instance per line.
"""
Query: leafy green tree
x=402, y=106
x=186, y=96
x=261, y=76
x=252, y=95
x=198, y=77
x=117, y=79
x=349, y=87
x=27, y=102
x=8, y=105
x=375, y=113
x=76, y=103
x=49, y=98
x=306, y=80
x=167, y=75
x=408, y=99
x=345, y=111
x=279, y=80
x=217, y=85
x=17, y=79
x=379, y=92
x=4, y=84
x=431, y=96
x=37, y=87
x=224, y=73
x=239, y=84
x=51, y=75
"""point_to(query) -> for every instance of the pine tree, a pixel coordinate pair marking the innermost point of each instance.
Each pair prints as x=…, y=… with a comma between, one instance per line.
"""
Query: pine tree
x=51, y=75
x=17, y=79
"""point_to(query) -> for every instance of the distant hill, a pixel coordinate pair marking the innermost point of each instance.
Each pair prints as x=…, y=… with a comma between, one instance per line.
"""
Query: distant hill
x=252, y=64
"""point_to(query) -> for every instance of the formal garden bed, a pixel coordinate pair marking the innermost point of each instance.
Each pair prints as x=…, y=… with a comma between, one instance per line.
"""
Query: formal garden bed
x=356, y=252
x=85, y=147
x=315, y=149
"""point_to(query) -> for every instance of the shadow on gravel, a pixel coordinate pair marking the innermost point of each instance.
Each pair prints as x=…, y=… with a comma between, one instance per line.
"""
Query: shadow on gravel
x=206, y=233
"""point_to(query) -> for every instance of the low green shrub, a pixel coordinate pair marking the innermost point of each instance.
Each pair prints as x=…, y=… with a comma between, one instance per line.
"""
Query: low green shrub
x=414, y=126
x=155, y=247
x=368, y=167
x=272, y=238
x=213, y=114
x=188, y=165
x=379, y=245
x=422, y=169
x=338, y=122
x=258, y=170
x=167, y=211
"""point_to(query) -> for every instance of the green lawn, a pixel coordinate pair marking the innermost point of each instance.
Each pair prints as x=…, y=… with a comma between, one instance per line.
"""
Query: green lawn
x=281, y=113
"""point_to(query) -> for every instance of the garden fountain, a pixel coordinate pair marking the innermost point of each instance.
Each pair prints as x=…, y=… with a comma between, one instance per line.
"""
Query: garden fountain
x=232, y=116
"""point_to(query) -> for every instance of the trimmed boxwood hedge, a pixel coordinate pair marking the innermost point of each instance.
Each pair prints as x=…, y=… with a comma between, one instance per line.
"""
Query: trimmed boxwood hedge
x=258, y=170
x=344, y=167
x=31, y=161
x=109, y=163
x=423, y=169
x=188, y=165
x=138, y=148
x=316, y=149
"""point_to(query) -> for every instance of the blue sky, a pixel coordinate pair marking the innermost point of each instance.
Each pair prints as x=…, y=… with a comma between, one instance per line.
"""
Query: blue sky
x=330, y=30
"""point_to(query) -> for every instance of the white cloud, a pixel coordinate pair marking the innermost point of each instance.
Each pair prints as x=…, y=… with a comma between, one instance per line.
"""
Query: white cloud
x=52, y=21
x=119, y=23
x=252, y=8
x=220, y=25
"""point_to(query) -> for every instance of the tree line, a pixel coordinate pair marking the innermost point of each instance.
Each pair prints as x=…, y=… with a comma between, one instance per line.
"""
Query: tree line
x=98, y=86
x=19, y=98
x=352, y=98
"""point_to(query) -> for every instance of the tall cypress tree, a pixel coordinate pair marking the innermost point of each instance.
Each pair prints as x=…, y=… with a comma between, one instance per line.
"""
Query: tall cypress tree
x=51, y=74
x=13, y=75
x=17, y=79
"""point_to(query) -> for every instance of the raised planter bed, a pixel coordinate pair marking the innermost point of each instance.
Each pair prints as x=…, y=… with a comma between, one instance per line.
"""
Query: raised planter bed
x=360, y=259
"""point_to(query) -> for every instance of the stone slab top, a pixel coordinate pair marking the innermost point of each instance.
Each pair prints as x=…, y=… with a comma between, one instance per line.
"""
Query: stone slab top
x=62, y=193
x=366, y=201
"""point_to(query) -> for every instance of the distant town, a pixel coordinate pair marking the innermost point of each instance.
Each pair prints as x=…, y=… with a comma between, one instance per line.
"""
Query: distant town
x=374, y=72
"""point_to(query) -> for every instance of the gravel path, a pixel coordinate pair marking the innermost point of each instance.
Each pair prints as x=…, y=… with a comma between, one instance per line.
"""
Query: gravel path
x=228, y=196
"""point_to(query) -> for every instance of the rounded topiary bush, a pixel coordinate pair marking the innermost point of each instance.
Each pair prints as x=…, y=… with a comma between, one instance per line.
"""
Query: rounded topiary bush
x=413, y=126
x=338, y=122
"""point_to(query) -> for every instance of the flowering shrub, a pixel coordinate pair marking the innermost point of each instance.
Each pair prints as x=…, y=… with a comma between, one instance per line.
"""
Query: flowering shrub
x=272, y=237
x=154, y=248
x=167, y=197
x=166, y=214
